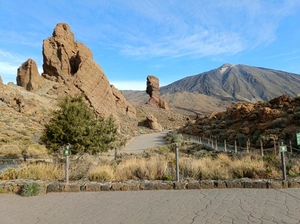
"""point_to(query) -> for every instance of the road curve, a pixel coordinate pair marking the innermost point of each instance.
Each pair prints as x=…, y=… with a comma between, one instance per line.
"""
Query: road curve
x=235, y=206
x=139, y=143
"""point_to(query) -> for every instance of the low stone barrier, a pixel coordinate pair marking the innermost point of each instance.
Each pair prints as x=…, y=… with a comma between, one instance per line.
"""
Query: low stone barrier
x=15, y=186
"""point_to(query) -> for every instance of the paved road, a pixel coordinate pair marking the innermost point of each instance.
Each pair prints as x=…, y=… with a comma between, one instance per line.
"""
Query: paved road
x=153, y=207
x=142, y=142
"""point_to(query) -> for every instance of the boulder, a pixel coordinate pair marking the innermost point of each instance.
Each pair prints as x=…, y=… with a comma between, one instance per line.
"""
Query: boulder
x=152, y=123
x=28, y=75
x=71, y=64
x=154, y=93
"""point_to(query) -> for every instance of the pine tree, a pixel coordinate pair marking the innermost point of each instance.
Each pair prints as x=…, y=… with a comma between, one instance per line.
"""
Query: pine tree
x=78, y=126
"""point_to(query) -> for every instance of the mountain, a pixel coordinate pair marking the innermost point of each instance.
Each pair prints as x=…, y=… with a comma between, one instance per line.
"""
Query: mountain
x=238, y=83
x=220, y=88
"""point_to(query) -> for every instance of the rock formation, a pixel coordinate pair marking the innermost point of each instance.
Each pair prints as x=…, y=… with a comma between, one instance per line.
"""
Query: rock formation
x=154, y=93
x=152, y=123
x=71, y=64
x=28, y=75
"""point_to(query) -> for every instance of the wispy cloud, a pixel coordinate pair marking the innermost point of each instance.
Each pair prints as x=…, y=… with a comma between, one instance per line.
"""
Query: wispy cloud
x=202, y=28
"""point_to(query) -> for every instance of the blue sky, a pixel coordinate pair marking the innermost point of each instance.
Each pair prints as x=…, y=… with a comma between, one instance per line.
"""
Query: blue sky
x=170, y=39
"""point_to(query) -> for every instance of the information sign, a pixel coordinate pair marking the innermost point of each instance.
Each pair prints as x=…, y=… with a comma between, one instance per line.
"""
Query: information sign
x=66, y=152
x=282, y=148
x=298, y=138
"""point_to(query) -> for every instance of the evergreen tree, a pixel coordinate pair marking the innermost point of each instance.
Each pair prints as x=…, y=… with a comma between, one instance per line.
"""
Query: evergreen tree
x=78, y=126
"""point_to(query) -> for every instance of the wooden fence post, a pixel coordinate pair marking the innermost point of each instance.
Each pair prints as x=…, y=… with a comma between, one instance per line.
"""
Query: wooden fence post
x=216, y=143
x=262, y=148
x=291, y=148
x=225, y=149
x=235, y=148
x=247, y=145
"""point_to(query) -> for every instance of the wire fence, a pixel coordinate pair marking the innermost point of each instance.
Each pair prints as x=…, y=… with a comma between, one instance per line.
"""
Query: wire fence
x=224, y=146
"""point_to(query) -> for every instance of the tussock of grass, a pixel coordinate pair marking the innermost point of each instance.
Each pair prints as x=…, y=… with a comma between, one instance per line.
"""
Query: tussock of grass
x=224, y=167
x=101, y=173
x=41, y=171
x=151, y=169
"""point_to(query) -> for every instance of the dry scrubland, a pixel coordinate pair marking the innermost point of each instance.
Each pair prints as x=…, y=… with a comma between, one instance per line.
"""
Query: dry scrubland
x=158, y=164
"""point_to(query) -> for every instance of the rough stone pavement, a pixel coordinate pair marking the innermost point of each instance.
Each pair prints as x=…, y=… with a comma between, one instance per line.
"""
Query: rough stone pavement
x=182, y=206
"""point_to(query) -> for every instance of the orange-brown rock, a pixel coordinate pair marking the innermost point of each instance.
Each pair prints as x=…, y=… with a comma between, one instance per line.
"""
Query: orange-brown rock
x=71, y=63
x=152, y=122
x=281, y=100
x=269, y=114
x=28, y=75
x=154, y=93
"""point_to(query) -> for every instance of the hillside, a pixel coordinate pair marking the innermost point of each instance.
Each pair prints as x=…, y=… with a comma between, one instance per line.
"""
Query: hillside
x=277, y=119
x=239, y=83
x=220, y=88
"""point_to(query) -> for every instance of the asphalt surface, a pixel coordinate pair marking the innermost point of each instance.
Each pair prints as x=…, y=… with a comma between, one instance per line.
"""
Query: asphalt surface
x=142, y=142
x=154, y=207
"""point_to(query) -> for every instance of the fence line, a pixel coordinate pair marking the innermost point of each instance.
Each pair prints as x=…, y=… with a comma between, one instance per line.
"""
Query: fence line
x=217, y=146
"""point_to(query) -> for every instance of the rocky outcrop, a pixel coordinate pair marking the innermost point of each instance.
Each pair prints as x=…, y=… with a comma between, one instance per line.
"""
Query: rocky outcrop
x=154, y=93
x=263, y=122
x=71, y=64
x=28, y=75
x=152, y=123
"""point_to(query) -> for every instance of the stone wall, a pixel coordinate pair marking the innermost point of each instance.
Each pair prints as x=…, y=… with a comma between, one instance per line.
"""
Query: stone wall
x=15, y=186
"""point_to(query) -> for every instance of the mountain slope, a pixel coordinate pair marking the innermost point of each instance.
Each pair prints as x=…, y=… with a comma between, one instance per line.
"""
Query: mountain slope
x=238, y=83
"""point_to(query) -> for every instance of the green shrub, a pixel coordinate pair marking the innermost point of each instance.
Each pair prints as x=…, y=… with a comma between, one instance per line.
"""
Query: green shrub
x=176, y=138
x=75, y=124
x=31, y=189
x=167, y=178
x=297, y=116
x=280, y=123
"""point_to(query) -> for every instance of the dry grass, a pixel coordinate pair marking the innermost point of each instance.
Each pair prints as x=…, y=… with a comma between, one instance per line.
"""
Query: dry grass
x=12, y=150
x=41, y=171
x=295, y=168
x=101, y=172
x=224, y=167
x=156, y=168
x=150, y=169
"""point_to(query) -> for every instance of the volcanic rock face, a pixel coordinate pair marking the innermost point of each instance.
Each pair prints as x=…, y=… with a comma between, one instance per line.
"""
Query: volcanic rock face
x=71, y=63
x=28, y=75
x=154, y=93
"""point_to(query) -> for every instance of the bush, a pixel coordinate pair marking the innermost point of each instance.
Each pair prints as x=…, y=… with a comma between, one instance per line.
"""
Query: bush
x=176, y=138
x=78, y=126
x=297, y=116
x=31, y=189
x=280, y=123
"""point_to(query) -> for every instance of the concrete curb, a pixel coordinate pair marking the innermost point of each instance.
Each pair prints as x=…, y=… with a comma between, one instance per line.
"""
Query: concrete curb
x=15, y=186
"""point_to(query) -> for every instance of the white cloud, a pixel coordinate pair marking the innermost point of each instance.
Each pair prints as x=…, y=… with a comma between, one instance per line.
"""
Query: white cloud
x=129, y=85
x=206, y=28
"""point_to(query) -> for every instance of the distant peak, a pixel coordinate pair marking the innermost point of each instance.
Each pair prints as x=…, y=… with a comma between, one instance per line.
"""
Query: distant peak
x=224, y=67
